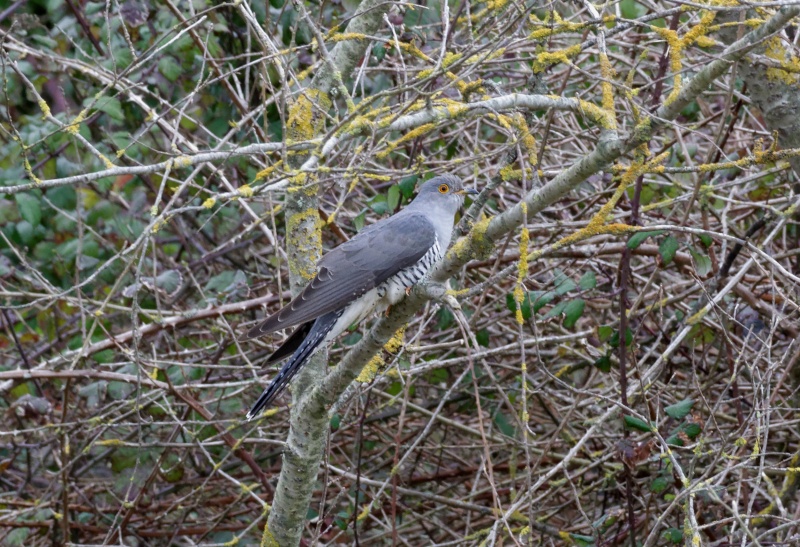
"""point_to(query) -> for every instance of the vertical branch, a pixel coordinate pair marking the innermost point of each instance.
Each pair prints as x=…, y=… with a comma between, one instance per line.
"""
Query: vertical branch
x=306, y=441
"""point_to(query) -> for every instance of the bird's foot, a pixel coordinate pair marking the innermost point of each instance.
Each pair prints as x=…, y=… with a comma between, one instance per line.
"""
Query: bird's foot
x=440, y=293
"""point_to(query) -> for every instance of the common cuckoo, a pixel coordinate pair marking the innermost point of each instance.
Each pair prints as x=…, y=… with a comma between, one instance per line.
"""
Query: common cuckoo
x=365, y=274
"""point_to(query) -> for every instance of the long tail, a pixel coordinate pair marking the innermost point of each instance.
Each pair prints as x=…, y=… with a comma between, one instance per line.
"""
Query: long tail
x=322, y=326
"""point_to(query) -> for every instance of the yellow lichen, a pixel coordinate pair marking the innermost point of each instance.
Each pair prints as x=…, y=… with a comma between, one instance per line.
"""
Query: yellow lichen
x=789, y=68
x=546, y=59
x=267, y=539
x=473, y=244
x=29, y=171
x=110, y=442
x=267, y=171
x=557, y=26
x=522, y=267
x=303, y=231
x=209, y=203
x=45, y=108
x=182, y=161
x=598, y=115
x=413, y=134
x=74, y=125
x=306, y=115
x=348, y=36
x=371, y=369
x=246, y=191
x=607, y=73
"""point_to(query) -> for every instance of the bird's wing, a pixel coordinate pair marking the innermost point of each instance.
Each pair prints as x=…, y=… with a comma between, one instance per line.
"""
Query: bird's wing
x=355, y=267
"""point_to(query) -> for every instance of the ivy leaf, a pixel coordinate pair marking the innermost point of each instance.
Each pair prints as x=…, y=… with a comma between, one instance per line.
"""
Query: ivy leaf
x=639, y=237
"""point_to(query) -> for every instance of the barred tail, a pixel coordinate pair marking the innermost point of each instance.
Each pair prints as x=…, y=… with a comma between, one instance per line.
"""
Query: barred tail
x=322, y=326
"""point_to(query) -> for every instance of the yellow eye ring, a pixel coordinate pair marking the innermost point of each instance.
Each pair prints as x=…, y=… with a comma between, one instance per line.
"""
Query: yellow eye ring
x=443, y=188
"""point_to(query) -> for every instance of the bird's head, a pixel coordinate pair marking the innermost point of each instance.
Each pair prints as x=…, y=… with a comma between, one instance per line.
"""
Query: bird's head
x=445, y=191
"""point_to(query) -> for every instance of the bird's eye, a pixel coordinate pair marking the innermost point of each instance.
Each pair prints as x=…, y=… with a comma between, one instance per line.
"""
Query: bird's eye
x=443, y=188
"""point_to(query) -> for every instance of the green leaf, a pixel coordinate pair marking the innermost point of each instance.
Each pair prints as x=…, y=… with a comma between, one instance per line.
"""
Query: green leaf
x=539, y=299
x=525, y=307
x=604, y=332
x=573, y=311
x=634, y=423
x=673, y=535
x=706, y=240
x=588, y=281
x=702, y=264
x=614, y=342
x=692, y=430
x=582, y=541
x=378, y=204
x=631, y=9
x=679, y=410
x=25, y=232
x=407, y=186
x=639, y=237
x=556, y=310
x=379, y=52
x=393, y=197
x=17, y=537
x=604, y=363
x=112, y=107
x=659, y=485
x=29, y=208
x=444, y=318
x=358, y=221
x=63, y=197
x=482, y=336
x=563, y=283
x=335, y=421
x=504, y=425
x=170, y=68
x=668, y=248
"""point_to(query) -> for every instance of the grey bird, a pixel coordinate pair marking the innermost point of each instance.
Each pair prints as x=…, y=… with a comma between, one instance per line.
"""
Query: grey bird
x=365, y=274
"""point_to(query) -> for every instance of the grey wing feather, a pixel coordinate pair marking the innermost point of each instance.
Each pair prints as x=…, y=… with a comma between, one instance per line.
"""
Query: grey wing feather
x=355, y=267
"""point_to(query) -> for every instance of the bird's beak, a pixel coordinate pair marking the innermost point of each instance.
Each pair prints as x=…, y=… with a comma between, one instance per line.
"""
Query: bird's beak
x=468, y=191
